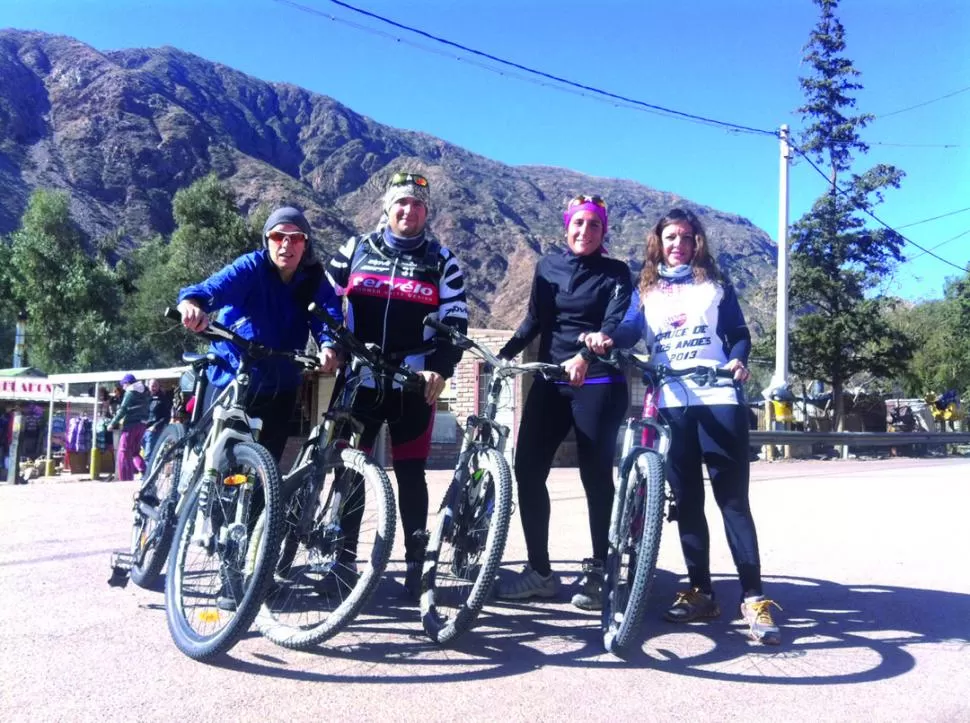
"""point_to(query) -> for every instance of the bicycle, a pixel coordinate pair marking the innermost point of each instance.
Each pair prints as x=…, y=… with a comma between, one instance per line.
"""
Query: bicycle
x=638, y=503
x=216, y=579
x=466, y=546
x=321, y=583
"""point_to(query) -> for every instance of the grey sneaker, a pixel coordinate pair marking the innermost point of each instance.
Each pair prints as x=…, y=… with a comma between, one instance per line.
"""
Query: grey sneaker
x=756, y=612
x=590, y=597
x=691, y=605
x=529, y=583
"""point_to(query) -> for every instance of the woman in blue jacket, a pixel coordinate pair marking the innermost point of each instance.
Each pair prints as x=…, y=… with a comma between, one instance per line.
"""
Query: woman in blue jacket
x=263, y=296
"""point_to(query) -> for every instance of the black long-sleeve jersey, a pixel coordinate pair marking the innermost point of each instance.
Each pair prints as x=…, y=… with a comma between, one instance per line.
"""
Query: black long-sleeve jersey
x=391, y=291
x=573, y=295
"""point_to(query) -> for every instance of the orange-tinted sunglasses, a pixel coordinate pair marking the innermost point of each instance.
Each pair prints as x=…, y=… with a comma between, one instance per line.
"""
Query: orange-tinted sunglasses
x=294, y=237
x=402, y=179
x=581, y=199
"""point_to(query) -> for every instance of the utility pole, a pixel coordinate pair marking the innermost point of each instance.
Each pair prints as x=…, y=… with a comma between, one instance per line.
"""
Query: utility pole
x=20, y=339
x=779, y=381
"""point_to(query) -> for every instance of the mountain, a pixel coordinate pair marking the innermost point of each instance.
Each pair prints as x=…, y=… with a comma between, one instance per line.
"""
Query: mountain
x=122, y=131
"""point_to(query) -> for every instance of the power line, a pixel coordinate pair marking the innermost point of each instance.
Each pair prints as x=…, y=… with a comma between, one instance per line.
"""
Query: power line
x=934, y=218
x=873, y=216
x=942, y=243
x=533, y=71
x=926, y=102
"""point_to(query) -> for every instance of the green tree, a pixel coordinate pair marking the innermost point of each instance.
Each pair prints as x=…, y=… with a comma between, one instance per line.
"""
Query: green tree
x=940, y=331
x=209, y=233
x=841, y=328
x=72, y=300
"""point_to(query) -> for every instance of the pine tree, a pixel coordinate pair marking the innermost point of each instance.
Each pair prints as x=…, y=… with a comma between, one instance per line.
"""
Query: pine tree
x=841, y=327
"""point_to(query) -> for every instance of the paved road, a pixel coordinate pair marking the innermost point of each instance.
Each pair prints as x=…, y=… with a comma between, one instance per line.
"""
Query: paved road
x=869, y=560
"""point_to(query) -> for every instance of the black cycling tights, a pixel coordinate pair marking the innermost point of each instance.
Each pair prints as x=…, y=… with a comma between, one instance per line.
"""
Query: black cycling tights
x=596, y=411
x=409, y=421
x=718, y=436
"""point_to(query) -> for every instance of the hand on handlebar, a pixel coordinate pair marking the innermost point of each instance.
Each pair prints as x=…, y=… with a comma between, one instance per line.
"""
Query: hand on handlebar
x=193, y=317
x=330, y=360
x=741, y=373
x=576, y=369
x=598, y=343
x=434, y=384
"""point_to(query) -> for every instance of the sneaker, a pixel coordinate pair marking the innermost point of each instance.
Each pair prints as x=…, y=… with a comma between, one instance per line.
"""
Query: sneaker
x=756, y=612
x=529, y=583
x=231, y=590
x=692, y=605
x=412, y=580
x=590, y=597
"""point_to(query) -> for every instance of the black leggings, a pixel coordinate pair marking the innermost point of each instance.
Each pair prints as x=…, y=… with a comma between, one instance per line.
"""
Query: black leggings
x=596, y=411
x=718, y=436
x=409, y=420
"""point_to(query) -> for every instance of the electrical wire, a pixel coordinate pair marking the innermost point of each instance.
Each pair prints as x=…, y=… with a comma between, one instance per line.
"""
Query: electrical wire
x=934, y=218
x=873, y=216
x=926, y=102
x=571, y=85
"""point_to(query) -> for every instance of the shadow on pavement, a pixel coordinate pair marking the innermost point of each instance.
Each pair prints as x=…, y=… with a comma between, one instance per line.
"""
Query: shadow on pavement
x=832, y=633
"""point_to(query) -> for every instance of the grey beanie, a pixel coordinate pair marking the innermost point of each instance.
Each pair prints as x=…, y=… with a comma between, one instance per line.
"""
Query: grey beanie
x=288, y=214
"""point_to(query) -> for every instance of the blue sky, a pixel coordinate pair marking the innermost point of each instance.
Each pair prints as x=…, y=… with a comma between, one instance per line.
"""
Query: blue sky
x=733, y=60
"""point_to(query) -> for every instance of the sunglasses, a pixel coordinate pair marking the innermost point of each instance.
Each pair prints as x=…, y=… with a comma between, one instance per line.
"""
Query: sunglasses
x=404, y=179
x=294, y=237
x=581, y=199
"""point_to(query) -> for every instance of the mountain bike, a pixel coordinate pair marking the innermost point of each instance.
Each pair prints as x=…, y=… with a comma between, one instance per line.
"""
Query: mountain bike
x=216, y=578
x=638, y=503
x=466, y=546
x=339, y=517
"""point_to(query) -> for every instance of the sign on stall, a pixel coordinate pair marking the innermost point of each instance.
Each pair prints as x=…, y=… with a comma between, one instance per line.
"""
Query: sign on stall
x=32, y=389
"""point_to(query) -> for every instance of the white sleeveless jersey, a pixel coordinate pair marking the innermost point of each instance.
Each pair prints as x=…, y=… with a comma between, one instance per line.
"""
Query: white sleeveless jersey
x=681, y=332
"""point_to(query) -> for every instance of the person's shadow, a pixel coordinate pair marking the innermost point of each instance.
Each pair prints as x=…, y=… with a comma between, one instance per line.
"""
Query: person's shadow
x=831, y=633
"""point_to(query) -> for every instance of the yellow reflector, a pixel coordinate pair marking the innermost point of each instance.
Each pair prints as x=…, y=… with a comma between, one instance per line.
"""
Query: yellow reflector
x=234, y=480
x=209, y=616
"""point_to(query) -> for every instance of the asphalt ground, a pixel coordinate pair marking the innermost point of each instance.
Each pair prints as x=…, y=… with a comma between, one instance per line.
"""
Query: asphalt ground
x=867, y=558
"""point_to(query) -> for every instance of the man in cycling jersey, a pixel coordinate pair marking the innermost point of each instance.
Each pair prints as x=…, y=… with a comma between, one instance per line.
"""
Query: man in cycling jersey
x=263, y=296
x=393, y=278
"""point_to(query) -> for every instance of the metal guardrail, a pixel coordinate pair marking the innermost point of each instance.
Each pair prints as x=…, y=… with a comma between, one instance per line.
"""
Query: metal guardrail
x=859, y=439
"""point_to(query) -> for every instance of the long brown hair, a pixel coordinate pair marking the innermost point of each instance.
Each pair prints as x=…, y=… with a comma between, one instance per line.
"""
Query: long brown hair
x=703, y=263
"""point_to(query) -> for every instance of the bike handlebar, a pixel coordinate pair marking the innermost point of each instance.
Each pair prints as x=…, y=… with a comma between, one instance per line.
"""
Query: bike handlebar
x=661, y=372
x=553, y=372
x=382, y=364
x=216, y=331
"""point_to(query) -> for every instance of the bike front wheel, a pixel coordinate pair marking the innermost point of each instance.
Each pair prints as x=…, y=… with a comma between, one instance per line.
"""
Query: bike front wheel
x=632, y=557
x=338, y=533
x=154, y=512
x=466, y=545
x=216, y=579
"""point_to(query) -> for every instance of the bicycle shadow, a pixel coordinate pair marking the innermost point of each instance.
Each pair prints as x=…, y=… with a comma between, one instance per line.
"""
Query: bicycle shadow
x=832, y=634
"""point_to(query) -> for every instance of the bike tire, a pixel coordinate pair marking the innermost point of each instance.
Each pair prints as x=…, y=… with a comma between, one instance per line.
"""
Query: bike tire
x=315, y=597
x=466, y=546
x=632, y=557
x=199, y=626
x=151, y=535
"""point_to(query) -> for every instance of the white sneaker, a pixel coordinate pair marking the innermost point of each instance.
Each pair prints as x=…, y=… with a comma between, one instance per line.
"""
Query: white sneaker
x=529, y=583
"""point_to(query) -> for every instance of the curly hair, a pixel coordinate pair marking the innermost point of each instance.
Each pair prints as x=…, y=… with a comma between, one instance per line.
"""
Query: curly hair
x=704, y=266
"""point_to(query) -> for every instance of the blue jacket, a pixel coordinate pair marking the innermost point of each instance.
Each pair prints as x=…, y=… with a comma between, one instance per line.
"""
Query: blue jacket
x=253, y=301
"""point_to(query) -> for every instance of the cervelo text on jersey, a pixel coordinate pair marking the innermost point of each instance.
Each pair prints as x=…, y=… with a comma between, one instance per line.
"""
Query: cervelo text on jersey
x=371, y=284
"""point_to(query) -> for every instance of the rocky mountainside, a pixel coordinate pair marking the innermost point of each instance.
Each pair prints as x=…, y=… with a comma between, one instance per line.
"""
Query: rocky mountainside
x=123, y=131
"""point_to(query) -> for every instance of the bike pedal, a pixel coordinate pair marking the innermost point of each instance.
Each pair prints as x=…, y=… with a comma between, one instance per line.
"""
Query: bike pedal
x=121, y=563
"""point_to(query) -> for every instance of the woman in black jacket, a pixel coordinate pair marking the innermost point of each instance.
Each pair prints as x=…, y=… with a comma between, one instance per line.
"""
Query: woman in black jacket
x=576, y=291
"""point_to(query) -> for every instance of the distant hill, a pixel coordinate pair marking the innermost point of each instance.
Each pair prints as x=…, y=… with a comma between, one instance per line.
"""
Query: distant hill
x=123, y=131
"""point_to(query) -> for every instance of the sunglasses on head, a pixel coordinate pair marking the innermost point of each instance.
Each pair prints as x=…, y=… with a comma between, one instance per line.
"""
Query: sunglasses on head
x=581, y=199
x=403, y=179
x=294, y=237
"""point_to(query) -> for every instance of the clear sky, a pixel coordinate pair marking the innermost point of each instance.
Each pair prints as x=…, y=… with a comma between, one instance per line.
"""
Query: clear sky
x=733, y=60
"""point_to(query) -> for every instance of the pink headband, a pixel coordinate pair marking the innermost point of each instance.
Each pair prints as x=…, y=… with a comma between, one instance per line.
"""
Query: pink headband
x=568, y=214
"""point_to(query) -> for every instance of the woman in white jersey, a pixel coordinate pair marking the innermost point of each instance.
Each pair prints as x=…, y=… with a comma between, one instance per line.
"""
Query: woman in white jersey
x=688, y=314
